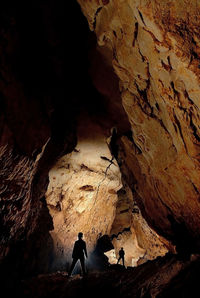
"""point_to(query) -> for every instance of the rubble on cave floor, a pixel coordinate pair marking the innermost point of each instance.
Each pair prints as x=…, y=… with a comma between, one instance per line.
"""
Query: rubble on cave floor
x=157, y=278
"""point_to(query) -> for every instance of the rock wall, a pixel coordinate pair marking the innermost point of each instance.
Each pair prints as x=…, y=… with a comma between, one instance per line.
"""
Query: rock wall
x=34, y=128
x=131, y=231
x=82, y=193
x=154, y=48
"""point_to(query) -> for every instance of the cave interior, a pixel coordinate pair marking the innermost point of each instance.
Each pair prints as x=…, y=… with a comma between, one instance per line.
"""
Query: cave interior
x=70, y=162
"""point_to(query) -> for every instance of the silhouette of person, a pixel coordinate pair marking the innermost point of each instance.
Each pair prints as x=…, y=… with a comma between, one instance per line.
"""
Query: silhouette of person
x=78, y=254
x=121, y=256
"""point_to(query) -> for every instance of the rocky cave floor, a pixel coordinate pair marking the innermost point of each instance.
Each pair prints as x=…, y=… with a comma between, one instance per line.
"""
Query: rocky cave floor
x=169, y=276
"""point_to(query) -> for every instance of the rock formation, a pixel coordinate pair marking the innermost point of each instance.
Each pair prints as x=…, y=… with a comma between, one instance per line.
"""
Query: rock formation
x=154, y=49
x=34, y=130
x=85, y=194
x=131, y=231
x=82, y=193
x=140, y=88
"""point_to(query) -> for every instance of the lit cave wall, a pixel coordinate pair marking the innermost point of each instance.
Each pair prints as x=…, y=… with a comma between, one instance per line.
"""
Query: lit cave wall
x=82, y=193
x=86, y=194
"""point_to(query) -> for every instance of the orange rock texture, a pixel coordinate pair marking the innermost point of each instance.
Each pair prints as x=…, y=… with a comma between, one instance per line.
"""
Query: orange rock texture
x=154, y=48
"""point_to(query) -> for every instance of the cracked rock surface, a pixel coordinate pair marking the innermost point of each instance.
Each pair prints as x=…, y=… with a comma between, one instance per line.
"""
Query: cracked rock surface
x=82, y=192
x=154, y=49
x=131, y=231
x=86, y=194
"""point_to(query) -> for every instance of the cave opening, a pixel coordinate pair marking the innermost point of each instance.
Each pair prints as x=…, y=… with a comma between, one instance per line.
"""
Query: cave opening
x=87, y=193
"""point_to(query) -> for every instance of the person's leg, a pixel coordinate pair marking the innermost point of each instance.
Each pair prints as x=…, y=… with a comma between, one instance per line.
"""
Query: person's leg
x=123, y=260
x=118, y=260
x=82, y=260
x=72, y=265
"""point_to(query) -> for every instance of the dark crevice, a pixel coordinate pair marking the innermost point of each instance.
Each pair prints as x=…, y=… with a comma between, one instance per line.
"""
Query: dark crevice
x=187, y=96
x=115, y=34
x=107, y=159
x=129, y=135
x=168, y=59
x=135, y=34
x=124, y=211
x=194, y=129
x=163, y=126
x=166, y=67
x=95, y=16
x=144, y=104
x=113, y=145
x=144, y=59
x=84, y=167
x=196, y=189
x=141, y=16
x=157, y=106
x=174, y=90
x=180, y=131
x=120, y=233
x=175, y=127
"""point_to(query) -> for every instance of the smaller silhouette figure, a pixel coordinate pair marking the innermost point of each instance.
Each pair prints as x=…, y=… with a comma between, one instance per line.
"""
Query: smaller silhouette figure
x=78, y=254
x=121, y=255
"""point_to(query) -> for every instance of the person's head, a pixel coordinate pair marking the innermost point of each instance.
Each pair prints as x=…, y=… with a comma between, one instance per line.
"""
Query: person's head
x=121, y=248
x=80, y=235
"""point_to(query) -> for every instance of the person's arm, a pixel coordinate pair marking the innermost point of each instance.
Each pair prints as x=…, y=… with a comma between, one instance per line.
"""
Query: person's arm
x=73, y=252
x=85, y=250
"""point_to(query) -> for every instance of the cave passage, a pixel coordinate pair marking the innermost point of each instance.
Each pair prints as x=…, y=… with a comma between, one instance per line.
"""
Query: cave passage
x=99, y=133
x=86, y=193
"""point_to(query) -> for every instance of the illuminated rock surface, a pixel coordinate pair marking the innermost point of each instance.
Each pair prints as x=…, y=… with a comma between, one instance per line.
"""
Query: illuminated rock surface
x=82, y=193
x=154, y=49
x=130, y=231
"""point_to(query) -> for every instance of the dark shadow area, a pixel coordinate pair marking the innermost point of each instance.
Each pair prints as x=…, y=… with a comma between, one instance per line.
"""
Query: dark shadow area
x=157, y=278
x=185, y=284
x=44, y=61
x=98, y=260
x=183, y=239
x=44, y=86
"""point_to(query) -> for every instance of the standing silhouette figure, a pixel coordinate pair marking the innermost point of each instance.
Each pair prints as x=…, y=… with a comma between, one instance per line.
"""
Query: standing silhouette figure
x=121, y=256
x=78, y=254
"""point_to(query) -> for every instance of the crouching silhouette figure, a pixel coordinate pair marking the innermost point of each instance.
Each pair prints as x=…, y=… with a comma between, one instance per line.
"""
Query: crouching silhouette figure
x=78, y=254
x=121, y=256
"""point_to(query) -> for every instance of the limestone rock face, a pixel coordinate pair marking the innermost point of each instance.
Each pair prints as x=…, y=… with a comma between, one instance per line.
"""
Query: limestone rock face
x=131, y=231
x=155, y=49
x=82, y=192
x=85, y=194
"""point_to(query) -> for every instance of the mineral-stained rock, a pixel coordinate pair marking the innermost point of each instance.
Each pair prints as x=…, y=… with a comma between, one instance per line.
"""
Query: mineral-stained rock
x=155, y=50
